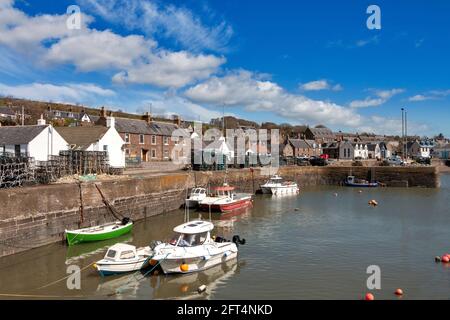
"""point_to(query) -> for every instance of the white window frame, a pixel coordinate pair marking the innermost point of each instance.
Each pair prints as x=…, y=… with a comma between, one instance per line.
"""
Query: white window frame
x=142, y=141
x=153, y=140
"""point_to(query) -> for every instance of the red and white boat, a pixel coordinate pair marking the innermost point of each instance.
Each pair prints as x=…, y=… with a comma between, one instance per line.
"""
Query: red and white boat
x=224, y=199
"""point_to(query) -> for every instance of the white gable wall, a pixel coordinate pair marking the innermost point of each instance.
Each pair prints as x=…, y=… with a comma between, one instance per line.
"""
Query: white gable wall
x=48, y=142
x=114, y=143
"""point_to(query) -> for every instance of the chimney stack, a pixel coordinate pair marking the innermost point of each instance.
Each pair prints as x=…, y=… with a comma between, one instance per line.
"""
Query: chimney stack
x=147, y=117
x=41, y=121
x=103, y=112
x=110, y=122
x=177, y=120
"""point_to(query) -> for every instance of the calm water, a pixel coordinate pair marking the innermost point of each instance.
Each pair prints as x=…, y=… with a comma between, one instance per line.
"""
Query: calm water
x=314, y=246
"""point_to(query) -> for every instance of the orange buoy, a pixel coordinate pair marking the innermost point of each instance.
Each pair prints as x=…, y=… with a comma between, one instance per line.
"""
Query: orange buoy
x=369, y=297
x=445, y=259
x=184, y=267
x=399, y=292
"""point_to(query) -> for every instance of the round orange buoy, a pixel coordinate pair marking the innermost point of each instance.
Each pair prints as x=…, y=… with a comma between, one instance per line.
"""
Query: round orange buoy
x=445, y=259
x=184, y=267
x=153, y=262
x=369, y=297
x=399, y=292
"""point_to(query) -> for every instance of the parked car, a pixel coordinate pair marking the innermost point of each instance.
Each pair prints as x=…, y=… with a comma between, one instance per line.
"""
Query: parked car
x=318, y=161
x=394, y=161
x=423, y=160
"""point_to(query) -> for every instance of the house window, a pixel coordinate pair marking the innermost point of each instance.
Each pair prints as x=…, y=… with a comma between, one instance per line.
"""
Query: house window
x=127, y=138
x=166, y=154
x=166, y=141
x=153, y=153
x=127, y=152
x=141, y=139
x=153, y=139
x=105, y=148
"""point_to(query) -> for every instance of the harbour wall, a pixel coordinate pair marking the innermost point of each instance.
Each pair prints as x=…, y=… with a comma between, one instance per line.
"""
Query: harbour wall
x=31, y=217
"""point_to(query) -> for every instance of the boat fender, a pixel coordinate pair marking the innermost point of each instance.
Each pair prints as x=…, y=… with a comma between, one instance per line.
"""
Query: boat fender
x=184, y=267
x=201, y=289
x=125, y=220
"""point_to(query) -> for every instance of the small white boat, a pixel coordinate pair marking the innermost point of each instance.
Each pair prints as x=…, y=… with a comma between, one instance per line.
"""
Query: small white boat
x=277, y=186
x=122, y=258
x=197, y=194
x=192, y=249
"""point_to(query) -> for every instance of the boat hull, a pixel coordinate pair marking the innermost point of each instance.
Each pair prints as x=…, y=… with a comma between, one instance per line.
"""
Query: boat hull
x=191, y=204
x=74, y=237
x=227, y=207
x=107, y=269
x=362, y=185
x=280, y=190
x=196, y=264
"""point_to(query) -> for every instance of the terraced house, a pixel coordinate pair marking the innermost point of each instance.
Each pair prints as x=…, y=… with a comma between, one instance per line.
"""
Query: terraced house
x=145, y=140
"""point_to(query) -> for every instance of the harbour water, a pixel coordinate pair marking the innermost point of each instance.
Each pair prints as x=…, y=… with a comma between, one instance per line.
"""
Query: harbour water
x=317, y=245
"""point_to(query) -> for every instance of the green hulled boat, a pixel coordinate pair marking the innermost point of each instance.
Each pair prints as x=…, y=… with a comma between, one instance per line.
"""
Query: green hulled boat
x=98, y=233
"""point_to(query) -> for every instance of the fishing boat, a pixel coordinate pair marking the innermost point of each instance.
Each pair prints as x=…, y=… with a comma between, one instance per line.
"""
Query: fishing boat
x=277, y=186
x=98, y=233
x=224, y=199
x=197, y=194
x=121, y=258
x=193, y=249
x=351, y=181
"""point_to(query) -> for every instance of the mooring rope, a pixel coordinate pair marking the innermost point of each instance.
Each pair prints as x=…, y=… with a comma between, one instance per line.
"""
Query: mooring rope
x=64, y=278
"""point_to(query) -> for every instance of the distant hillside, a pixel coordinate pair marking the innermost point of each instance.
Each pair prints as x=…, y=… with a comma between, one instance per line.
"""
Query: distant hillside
x=34, y=109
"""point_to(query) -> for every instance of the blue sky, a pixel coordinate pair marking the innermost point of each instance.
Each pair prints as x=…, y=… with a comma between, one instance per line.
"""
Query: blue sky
x=302, y=62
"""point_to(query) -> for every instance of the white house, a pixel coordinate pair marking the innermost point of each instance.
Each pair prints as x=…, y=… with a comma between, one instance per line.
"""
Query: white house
x=420, y=149
x=219, y=146
x=361, y=151
x=37, y=141
x=97, y=138
x=374, y=150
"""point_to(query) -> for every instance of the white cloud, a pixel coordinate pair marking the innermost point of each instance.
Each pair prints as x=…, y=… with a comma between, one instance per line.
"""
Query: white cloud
x=320, y=85
x=97, y=50
x=363, y=43
x=73, y=93
x=381, y=97
x=430, y=95
x=156, y=19
x=134, y=58
x=171, y=69
x=243, y=88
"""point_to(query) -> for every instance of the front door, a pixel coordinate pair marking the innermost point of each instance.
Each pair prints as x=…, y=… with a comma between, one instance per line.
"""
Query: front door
x=144, y=155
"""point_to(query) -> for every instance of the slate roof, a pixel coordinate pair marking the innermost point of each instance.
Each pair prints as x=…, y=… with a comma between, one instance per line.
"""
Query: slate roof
x=299, y=144
x=19, y=134
x=82, y=137
x=7, y=111
x=136, y=126
x=322, y=132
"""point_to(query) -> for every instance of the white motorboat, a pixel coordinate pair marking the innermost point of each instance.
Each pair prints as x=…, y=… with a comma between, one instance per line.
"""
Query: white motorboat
x=122, y=258
x=277, y=186
x=197, y=195
x=192, y=249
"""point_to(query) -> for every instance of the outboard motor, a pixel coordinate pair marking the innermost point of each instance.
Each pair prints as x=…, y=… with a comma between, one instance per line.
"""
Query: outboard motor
x=237, y=240
x=220, y=239
x=125, y=220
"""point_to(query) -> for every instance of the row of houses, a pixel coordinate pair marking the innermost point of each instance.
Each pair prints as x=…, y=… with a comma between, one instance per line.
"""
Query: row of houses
x=142, y=139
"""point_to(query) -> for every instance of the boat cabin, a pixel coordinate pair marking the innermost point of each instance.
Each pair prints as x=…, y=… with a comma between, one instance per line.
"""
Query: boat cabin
x=224, y=191
x=192, y=234
x=121, y=251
